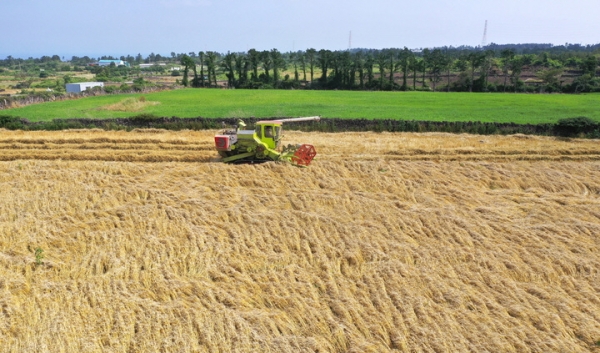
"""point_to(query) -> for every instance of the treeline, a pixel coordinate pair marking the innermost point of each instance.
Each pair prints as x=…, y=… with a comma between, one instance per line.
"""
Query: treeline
x=570, y=68
x=440, y=69
x=570, y=127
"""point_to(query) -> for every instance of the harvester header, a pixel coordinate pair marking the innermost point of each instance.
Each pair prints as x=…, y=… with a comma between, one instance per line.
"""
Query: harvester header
x=263, y=143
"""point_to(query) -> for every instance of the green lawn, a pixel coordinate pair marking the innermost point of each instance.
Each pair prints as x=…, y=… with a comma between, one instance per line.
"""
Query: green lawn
x=486, y=107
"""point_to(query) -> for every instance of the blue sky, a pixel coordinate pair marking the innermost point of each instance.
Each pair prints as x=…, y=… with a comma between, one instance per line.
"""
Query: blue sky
x=122, y=27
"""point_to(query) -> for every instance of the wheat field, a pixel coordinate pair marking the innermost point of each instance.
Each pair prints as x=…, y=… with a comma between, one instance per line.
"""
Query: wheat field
x=143, y=241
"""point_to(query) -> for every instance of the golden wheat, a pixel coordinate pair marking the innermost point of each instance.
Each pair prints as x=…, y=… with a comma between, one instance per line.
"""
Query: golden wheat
x=387, y=242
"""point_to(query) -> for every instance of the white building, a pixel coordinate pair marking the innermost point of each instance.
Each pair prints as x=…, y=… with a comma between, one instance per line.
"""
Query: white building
x=145, y=66
x=82, y=86
x=116, y=62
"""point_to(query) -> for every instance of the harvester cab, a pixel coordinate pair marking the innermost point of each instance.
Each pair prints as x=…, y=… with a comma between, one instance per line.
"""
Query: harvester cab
x=263, y=144
x=269, y=132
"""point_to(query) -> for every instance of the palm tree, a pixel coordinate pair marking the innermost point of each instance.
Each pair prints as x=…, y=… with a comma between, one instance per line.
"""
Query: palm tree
x=187, y=62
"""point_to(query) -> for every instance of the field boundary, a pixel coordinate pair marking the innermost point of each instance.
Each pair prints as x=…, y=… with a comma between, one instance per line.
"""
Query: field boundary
x=588, y=130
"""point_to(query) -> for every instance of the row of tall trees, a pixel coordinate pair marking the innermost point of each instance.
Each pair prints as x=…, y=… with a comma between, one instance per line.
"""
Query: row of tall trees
x=398, y=69
x=568, y=68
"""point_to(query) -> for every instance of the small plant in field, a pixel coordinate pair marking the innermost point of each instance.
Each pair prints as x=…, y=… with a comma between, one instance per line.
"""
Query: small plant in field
x=39, y=256
x=598, y=343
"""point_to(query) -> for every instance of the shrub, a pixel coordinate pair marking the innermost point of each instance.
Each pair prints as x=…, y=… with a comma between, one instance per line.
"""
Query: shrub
x=11, y=122
x=144, y=118
x=571, y=127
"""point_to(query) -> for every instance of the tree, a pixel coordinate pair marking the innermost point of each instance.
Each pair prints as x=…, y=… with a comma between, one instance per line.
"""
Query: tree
x=201, y=55
x=196, y=80
x=294, y=58
x=414, y=66
x=359, y=65
x=506, y=56
x=404, y=63
x=348, y=70
x=278, y=64
x=422, y=67
x=369, y=64
x=449, y=63
x=551, y=78
x=381, y=60
x=228, y=65
x=324, y=60
x=589, y=65
x=302, y=61
x=267, y=62
x=241, y=66
x=310, y=58
x=393, y=65
x=475, y=59
x=487, y=64
x=211, y=65
x=515, y=66
x=436, y=61
x=584, y=83
x=187, y=62
x=341, y=65
x=254, y=58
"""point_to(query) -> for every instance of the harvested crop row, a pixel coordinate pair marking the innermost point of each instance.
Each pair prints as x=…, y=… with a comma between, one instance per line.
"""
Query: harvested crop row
x=115, y=146
x=346, y=146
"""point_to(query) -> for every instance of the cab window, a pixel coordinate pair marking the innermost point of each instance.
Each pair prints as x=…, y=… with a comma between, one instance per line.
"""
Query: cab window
x=269, y=131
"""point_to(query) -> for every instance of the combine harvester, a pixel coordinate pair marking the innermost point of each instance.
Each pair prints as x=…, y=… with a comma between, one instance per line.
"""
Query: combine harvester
x=263, y=144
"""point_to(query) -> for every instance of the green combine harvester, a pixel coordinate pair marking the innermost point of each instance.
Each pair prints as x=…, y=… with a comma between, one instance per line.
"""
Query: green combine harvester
x=263, y=144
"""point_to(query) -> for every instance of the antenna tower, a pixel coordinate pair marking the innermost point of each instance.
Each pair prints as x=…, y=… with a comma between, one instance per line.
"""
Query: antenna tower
x=484, y=40
x=350, y=41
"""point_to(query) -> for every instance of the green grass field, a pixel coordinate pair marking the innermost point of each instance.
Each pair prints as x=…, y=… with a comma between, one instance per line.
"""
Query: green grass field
x=486, y=107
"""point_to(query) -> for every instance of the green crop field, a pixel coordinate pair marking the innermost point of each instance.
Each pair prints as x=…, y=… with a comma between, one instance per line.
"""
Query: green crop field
x=485, y=107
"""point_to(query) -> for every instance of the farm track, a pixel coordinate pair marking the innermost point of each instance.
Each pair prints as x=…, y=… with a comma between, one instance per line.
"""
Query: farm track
x=198, y=147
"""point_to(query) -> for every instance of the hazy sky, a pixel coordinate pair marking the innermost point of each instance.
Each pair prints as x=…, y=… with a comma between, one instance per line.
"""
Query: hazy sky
x=121, y=27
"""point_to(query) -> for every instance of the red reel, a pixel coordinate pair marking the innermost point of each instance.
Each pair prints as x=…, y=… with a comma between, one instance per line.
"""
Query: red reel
x=304, y=155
